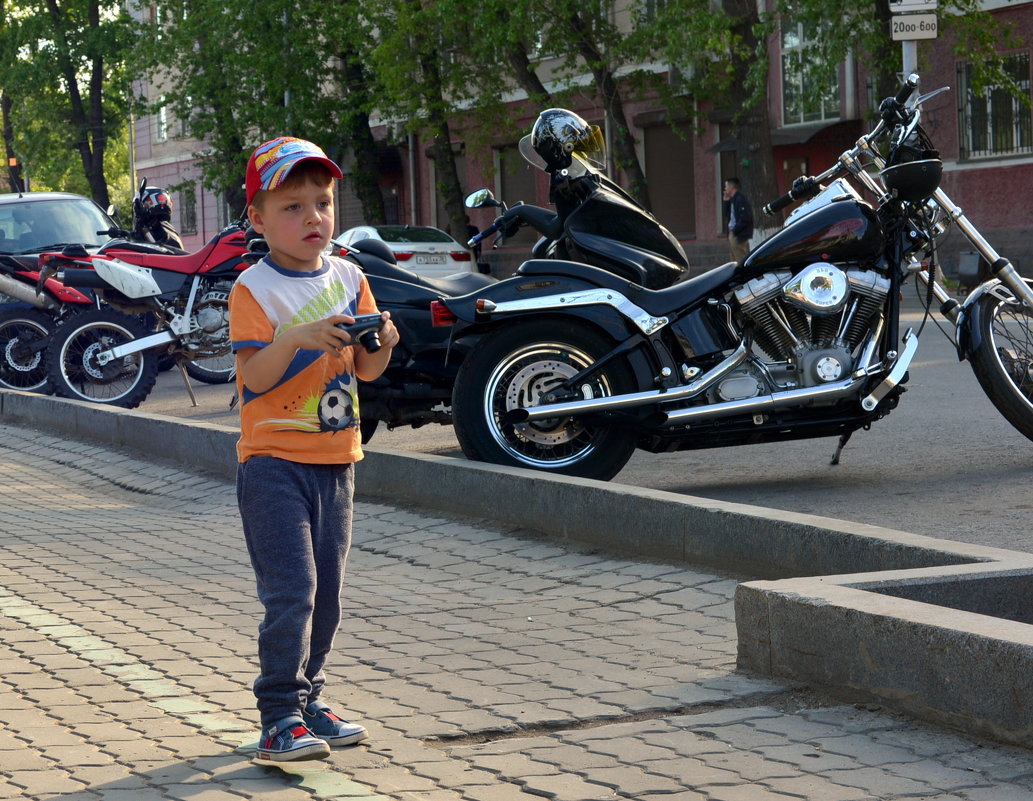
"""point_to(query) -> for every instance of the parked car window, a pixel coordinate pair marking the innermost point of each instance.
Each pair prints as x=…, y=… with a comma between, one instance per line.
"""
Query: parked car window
x=409, y=233
x=28, y=224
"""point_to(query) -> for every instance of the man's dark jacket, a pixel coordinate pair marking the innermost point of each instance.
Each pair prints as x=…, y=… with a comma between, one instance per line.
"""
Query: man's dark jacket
x=743, y=216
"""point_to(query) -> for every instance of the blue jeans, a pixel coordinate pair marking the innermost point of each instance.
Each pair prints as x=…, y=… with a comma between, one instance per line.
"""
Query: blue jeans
x=297, y=524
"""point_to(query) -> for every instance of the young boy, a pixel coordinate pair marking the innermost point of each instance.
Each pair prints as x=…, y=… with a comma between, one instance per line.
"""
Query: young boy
x=299, y=437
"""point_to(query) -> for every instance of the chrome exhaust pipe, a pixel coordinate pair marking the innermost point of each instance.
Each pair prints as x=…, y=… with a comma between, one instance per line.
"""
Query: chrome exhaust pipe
x=633, y=399
x=762, y=403
x=25, y=293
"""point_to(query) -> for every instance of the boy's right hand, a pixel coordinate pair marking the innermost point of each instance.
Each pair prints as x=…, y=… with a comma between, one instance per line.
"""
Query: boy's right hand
x=321, y=335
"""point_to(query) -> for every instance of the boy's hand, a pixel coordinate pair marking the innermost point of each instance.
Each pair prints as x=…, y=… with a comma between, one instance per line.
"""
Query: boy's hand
x=388, y=334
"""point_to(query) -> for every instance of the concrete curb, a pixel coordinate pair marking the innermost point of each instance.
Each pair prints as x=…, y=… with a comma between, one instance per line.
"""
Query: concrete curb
x=914, y=620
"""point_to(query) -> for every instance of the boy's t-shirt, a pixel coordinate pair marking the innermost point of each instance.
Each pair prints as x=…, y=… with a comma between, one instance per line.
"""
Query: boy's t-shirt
x=312, y=414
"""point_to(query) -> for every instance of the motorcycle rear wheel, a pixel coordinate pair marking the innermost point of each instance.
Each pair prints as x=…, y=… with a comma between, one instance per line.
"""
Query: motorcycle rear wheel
x=513, y=369
x=213, y=370
x=72, y=360
x=1003, y=362
x=19, y=370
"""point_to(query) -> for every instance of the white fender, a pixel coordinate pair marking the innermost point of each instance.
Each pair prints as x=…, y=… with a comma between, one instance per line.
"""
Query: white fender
x=129, y=279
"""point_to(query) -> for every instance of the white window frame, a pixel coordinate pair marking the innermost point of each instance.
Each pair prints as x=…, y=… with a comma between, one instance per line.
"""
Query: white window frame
x=994, y=123
x=793, y=75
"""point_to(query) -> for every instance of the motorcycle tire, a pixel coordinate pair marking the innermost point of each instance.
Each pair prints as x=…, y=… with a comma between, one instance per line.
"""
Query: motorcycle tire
x=1003, y=361
x=513, y=369
x=19, y=370
x=213, y=370
x=75, y=373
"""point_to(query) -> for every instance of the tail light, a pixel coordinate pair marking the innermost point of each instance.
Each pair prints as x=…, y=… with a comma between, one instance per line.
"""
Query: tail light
x=460, y=255
x=402, y=256
x=440, y=315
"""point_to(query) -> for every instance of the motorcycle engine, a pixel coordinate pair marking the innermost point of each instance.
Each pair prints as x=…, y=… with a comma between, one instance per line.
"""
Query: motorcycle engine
x=210, y=329
x=808, y=325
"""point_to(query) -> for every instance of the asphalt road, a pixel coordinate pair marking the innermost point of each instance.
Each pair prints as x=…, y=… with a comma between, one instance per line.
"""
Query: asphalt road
x=944, y=464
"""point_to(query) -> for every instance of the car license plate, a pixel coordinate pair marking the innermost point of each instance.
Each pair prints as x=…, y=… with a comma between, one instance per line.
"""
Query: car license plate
x=431, y=258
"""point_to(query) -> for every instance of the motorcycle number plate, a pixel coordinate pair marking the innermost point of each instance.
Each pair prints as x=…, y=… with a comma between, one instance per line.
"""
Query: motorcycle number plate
x=430, y=258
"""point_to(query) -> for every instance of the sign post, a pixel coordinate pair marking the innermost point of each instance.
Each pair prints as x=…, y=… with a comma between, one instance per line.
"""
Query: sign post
x=910, y=21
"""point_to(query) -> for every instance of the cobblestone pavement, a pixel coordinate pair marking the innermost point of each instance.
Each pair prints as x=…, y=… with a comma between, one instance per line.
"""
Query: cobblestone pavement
x=488, y=665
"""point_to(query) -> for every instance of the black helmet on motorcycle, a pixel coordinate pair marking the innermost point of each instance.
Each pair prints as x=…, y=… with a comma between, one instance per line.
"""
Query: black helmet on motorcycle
x=153, y=204
x=558, y=136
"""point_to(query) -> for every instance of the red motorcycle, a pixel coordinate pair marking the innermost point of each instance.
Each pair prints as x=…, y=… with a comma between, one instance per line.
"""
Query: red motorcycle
x=110, y=354
x=35, y=222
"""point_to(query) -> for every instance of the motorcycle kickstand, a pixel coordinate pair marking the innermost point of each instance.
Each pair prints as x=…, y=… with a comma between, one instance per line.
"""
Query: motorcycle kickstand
x=843, y=440
x=186, y=383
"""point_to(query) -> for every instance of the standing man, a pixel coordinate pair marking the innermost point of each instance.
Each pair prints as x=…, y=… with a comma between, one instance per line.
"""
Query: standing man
x=740, y=219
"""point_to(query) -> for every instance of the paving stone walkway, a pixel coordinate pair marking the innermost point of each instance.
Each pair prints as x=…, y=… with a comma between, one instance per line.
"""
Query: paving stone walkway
x=488, y=664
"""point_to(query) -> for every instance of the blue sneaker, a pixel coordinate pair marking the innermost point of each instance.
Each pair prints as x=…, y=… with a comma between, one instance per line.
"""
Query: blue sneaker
x=325, y=725
x=290, y=740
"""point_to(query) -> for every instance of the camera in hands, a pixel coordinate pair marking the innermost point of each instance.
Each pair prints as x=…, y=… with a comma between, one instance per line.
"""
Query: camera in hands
x=364, y=331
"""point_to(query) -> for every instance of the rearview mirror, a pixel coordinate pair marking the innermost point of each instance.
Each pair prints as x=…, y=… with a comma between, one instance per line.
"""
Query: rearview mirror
x=481, y=199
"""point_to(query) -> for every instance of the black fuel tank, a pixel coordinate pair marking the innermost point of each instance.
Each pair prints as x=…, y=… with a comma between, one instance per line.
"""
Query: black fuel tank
x=843, y=231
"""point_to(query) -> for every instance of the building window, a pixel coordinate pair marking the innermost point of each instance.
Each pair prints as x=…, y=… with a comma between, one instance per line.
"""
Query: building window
x=188, y=211
x=801, y=69
x=161, y=132
x=994, y=122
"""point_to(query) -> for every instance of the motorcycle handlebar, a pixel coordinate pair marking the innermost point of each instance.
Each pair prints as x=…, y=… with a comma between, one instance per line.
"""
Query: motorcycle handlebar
x=802, y=188
x=910, y=84
x=480, y=237
x=545, y=222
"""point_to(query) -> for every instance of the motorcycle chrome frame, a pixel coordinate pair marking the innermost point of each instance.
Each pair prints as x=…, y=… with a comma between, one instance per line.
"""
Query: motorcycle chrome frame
x=178, y=326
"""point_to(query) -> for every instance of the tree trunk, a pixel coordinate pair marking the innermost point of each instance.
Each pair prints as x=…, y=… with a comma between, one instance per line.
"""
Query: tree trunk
x=886, y=81
x=12, y=173
x=88, y=121
x=750, y=123
x=440, y=152
x=527, y=79
x=625, y=155
x=364, y=174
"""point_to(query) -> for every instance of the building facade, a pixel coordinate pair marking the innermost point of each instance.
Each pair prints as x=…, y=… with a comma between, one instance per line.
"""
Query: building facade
x=985, y=141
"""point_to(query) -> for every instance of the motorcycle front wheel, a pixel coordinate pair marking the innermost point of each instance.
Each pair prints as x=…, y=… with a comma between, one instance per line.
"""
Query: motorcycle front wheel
x=22, y=362
x=514, y=369
x=76, y=373
x=1003, y=361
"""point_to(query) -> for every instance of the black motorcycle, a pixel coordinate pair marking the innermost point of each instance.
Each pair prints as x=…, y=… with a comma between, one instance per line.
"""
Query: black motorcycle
x=594, y=220
x=576, y=367
x=416, y=387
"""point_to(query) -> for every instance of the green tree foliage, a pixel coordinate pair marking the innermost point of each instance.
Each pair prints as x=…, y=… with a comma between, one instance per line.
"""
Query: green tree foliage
x=246, y=72
x=62, y=69
x=426, y=78
x=863, y=29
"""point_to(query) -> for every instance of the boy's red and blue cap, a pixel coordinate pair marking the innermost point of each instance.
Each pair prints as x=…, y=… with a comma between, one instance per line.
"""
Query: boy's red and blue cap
x=272, y=161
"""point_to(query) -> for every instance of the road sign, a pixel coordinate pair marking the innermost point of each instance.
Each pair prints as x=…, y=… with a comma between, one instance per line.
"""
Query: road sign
x=912, y=6
x=908, y=27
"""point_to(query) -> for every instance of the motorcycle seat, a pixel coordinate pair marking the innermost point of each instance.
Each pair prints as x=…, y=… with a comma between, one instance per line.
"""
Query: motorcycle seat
x=145, y=247
x=460, y=284
x=189, y=263
x=657, y=302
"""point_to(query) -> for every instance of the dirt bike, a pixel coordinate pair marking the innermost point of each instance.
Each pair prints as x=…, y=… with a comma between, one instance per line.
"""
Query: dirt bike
x=26, y=327
x=575, y=368
x=110, y=354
